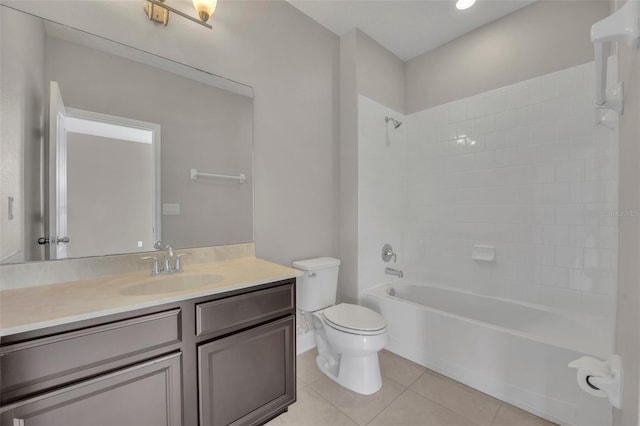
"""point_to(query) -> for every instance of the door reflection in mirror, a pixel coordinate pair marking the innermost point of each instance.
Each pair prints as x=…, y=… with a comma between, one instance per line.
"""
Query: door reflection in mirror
x=112, y=188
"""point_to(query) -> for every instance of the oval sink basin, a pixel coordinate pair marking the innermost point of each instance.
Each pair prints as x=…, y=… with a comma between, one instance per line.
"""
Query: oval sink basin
x=169, y=284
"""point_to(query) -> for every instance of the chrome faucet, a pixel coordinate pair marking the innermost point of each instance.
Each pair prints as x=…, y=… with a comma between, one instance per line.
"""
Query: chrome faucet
x=172, y=261
x=392, y=271
x=168, y=254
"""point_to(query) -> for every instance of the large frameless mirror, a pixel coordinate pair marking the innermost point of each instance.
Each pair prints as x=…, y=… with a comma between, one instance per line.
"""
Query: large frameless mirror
x=106, y=148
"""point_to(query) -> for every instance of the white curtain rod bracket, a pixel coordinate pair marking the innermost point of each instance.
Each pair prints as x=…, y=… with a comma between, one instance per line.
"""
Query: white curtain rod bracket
x=623, y=26
x=607, y=114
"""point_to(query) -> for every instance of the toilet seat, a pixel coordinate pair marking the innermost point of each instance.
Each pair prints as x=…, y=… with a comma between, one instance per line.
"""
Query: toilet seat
x=354, y=319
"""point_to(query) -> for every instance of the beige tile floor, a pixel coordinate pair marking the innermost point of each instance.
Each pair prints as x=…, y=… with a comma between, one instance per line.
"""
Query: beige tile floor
x=411, y=395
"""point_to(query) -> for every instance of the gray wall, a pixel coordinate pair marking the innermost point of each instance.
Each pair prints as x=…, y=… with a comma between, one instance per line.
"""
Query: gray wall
x=109, y=212
x=628, y=332
x=367, y=68
x=348, y=277
x=292, y=64
x=543, y=37
x=202, y=127
x=23, y=97
x=380, y=74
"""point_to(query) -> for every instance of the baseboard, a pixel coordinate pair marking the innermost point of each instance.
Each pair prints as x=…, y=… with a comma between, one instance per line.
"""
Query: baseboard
x=305, y=341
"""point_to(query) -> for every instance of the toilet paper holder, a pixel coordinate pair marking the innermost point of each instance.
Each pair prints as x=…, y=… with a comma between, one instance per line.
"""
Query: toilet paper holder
x=600, y=378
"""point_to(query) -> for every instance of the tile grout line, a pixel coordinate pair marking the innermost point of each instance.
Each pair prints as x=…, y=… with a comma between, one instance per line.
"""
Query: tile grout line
x=388, y=405
x=409, y=387
x=497, y=412
x=425, y=369
x=384, y=408
x=331, y=404
x=309, y=385
x=338, y=408
x=434, y=402
x=451, y=410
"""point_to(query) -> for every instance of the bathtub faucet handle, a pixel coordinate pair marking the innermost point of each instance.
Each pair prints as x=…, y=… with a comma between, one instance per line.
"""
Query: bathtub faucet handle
x=388, y=254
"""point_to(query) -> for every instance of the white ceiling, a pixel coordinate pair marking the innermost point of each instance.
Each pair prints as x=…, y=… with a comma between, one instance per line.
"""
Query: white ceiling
x=407, y=28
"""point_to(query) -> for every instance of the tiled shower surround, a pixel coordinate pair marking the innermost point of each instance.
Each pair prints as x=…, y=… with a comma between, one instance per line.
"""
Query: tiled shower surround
x=522, y=168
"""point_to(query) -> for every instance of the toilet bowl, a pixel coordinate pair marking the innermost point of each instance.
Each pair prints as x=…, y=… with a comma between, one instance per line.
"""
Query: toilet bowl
x=348, y=338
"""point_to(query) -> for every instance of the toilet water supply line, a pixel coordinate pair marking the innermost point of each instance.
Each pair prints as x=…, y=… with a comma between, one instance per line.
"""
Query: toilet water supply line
x=623, y=26
x=304, y=324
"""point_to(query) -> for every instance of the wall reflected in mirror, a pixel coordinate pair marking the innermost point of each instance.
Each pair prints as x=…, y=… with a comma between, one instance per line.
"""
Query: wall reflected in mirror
x=97, y=143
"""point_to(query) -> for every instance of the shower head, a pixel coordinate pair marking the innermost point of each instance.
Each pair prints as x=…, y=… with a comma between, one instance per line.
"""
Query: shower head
x=395, y=122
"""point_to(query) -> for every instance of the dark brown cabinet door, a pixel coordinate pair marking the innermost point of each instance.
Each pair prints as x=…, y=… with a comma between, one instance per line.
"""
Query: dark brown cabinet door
x=38, y=365
x=147, y=394
x=248, y=377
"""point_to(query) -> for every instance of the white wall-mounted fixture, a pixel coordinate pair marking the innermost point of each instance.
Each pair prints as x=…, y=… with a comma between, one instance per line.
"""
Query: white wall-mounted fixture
x=600, y=378
x=484, y=253
x=464, y=4
x=195, y=174
x=622, y=27
x=158, y=10
x=171, y=209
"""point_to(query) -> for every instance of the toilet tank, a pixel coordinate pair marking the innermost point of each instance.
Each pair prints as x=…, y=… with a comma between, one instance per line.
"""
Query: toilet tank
x=317, y=288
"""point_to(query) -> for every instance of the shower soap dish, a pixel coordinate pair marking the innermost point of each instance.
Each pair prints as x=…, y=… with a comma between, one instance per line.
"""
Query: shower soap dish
x=484, y=253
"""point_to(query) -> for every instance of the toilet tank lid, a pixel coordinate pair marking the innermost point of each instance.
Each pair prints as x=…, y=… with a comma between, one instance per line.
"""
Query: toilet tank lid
x=317, y=263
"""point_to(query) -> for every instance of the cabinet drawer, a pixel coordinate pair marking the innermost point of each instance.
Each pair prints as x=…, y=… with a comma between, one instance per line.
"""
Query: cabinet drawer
x=234, y=312
x=38, y=364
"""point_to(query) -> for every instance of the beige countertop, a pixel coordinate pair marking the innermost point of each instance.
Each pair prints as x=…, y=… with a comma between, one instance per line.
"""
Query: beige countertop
x=38, y=307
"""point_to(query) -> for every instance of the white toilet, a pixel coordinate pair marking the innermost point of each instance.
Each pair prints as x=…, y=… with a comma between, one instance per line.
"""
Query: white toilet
x=348, y=336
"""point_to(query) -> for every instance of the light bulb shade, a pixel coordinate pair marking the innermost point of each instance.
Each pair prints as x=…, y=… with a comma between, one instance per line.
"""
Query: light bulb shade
x=205, y=8
x=464, y=4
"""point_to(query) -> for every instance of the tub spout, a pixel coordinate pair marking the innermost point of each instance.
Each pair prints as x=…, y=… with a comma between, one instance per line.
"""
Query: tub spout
x=392, y=271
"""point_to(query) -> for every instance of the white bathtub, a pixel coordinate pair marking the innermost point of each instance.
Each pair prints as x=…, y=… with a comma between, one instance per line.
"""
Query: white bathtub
x=513, y=351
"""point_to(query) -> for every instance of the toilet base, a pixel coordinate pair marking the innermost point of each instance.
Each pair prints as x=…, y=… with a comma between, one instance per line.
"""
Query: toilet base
x=360, y=374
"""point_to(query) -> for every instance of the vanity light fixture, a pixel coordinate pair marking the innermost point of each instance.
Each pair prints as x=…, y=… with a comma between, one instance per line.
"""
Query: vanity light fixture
x=158, y=10
x=464, y=4
x=205, y=8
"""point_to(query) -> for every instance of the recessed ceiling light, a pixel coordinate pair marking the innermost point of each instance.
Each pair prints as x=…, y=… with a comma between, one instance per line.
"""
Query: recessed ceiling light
x=464, y=4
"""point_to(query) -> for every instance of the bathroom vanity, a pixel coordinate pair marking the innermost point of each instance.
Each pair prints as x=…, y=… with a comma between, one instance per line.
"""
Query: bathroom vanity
x=92, y=339
x=218, y=354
